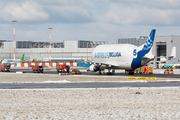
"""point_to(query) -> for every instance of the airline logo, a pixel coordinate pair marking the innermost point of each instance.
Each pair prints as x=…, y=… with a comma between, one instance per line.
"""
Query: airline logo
x=107, y=54
x=148, y=44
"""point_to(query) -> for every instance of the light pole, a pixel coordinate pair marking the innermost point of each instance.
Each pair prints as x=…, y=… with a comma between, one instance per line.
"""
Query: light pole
x=14, y=41
x=87, y=49
x=50, y=45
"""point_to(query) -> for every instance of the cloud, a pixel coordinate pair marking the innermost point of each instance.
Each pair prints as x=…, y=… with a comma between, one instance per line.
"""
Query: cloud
x=88, y=19
x=141, y=13
x=69, y=14
x=69, y=11
x=25, y=11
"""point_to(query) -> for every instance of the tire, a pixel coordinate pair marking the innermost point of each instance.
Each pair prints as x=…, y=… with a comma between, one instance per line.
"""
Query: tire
x=131, y=73
x=108, y=73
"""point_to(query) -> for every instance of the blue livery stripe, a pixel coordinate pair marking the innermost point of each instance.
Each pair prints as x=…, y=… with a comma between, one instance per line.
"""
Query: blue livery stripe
x=146, y=48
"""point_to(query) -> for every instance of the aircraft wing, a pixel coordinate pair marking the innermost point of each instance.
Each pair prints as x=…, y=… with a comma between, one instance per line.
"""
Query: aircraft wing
x=165, y=57
x=100, y=63
x=164, y=61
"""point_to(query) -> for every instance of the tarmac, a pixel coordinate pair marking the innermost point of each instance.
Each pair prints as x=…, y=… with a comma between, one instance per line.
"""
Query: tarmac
x=89, y=103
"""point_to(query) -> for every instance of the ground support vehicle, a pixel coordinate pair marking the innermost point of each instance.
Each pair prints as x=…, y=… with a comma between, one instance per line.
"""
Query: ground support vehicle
x=150, y=70
x=168, y=71
x=76, y=71
x=37, y=69
x=62, y=68
x=5, y=67
x=144, y=70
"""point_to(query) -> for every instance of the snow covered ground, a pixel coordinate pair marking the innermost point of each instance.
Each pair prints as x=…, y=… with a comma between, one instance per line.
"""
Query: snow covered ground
x=100, y=104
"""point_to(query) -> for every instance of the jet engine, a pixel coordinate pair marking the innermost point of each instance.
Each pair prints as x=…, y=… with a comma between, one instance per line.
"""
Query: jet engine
x=94, y=68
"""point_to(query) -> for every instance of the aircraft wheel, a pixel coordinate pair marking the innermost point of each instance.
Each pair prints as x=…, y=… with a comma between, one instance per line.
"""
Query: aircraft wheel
x=108, y=73
x=131, y=73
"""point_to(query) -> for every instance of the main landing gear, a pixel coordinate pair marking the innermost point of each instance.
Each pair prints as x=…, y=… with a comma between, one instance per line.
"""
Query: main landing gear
x=108, y=73
x=131, y=72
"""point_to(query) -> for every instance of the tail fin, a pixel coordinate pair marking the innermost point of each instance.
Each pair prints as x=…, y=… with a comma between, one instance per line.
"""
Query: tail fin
x=22, y=58
x=173, y=52
x=149, y=43
x=146, y=47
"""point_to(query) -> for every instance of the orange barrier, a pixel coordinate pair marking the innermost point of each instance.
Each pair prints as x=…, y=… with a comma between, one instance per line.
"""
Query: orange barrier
x=45, y=64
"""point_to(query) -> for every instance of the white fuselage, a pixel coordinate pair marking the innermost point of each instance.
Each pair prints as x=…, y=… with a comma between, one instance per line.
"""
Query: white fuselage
x=10, y=61
x=119, y=55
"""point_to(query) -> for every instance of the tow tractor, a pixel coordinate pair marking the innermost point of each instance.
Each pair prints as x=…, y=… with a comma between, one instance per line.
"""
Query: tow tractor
x=37, y=69
x=168, y=71
x=76, y=71
x=62, y=68
x=5, y=67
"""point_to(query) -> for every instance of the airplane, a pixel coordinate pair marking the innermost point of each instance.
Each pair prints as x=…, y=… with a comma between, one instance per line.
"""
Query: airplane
x=22, y=58
x=173, y=66
x=11, y=61
x=122, y=56
x=167, y=61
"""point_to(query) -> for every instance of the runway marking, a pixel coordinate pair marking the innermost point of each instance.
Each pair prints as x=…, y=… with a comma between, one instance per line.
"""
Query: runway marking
x=63, y=81
x=141, y=78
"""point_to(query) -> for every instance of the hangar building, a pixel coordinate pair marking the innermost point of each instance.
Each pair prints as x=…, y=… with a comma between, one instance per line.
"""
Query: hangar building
x=82, y=49
x=41, y=50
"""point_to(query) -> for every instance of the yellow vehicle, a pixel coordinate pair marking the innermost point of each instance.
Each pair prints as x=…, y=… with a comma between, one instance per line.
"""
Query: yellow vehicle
x=76, y=71
x=150, y=70
x=144, y=70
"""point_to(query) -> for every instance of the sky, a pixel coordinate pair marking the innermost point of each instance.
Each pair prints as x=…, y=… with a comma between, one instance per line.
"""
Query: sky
x=88, y=19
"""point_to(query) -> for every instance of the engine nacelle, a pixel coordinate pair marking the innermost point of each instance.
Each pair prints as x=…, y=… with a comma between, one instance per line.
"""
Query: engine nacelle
x=94, y=68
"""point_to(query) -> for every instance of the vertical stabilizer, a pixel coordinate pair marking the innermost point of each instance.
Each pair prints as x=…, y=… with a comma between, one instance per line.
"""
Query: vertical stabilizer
x=146, y=47
x=144, y=54
x=22, y=58
x=173, y=52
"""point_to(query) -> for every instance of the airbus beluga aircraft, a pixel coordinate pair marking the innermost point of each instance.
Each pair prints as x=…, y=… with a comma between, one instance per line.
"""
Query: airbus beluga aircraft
x=122, y=56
